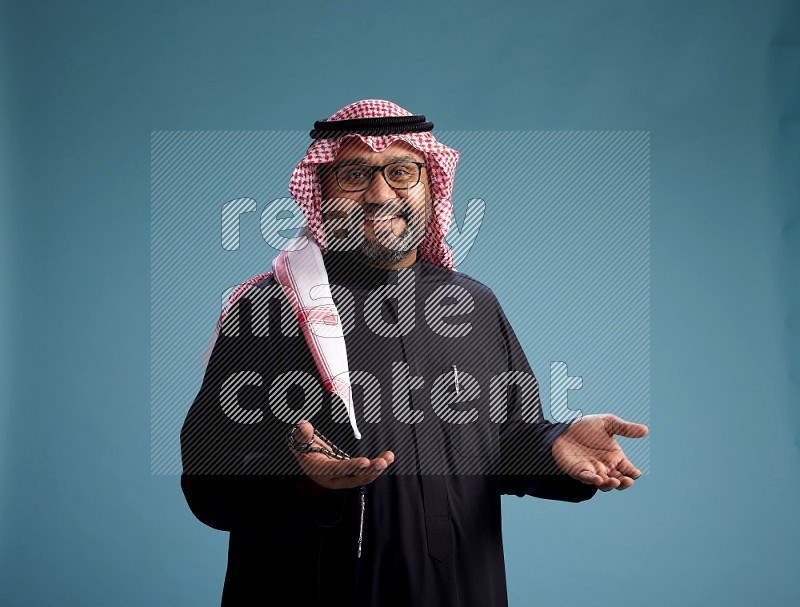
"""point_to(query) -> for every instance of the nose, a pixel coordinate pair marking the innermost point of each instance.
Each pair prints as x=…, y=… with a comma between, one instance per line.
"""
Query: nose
x=379, y=190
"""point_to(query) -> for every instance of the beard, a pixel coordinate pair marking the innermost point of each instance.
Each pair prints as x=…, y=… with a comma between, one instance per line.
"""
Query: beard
x=391, y=249
x=347, y=230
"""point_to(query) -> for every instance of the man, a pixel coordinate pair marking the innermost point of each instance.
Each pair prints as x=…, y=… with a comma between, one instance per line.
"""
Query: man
x=402, y=505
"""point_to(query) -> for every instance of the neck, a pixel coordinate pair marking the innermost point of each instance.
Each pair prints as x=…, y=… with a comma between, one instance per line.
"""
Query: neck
x=348, y=262
x=407, y=261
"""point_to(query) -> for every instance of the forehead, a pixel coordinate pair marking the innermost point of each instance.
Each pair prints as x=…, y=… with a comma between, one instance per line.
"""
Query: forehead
x=355, y=149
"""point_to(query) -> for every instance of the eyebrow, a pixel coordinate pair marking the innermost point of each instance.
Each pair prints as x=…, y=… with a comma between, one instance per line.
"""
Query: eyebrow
x=360, y=160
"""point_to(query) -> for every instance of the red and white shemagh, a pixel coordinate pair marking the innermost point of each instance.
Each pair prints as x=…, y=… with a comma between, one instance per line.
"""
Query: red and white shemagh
x=440, y=162
x=299, y=267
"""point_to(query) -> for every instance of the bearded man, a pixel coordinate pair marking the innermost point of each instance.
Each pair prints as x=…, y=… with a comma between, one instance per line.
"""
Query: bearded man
x=365, y=405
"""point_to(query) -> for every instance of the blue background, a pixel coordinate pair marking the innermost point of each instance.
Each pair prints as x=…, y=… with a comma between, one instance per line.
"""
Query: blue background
x=82, y=520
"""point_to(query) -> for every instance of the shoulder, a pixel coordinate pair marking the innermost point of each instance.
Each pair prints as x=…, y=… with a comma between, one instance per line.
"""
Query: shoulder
x=242, y=292
x=264, y=281
x=256, y=283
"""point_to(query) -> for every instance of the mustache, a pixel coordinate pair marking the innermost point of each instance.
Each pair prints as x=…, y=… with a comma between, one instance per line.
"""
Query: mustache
x=337, y=209
x=391, y=207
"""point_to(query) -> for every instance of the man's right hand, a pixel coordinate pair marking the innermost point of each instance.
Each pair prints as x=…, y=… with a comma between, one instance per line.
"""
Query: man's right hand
x=334, y=473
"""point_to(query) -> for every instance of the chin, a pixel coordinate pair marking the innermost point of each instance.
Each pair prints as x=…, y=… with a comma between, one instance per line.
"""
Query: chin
x=374, y=251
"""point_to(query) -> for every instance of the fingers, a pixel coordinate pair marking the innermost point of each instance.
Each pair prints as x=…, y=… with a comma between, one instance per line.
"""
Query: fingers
x=378, y=465
x=364, y=473
x=615, y=480
x=617, y=425
x=590, y=478
x=604, y=483
x=592, y=473
x=608, y=483
x=304, y=432
x=362, y=467
x=388, y=456
x=601, y=477
x=339, y=474
x=624, y=481
x=335, y=473
x=628, y=469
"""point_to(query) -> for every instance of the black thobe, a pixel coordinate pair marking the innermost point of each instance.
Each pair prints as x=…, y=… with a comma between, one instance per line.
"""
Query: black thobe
x=432, y=526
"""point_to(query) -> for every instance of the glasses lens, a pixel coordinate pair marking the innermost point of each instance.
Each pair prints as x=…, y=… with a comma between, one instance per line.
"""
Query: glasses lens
x=402, y=174
x=353, y=177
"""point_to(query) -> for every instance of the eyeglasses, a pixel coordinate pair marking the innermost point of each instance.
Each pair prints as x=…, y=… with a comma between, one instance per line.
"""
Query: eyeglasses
x=358, y=177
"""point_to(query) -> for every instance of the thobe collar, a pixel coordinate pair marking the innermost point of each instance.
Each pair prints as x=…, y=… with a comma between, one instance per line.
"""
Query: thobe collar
x=346, y=268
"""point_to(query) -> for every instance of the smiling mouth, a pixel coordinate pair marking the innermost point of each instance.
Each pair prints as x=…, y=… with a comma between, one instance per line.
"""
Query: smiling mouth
x=387, y=223
x=384, y=217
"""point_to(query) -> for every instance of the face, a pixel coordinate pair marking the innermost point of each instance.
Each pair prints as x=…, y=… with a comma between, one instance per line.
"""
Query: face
x=389, y=223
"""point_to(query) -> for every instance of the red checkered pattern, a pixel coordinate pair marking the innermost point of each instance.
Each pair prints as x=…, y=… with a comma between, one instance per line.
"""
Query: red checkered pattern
x=236, y=294
x=304, y=185
x=440, y=162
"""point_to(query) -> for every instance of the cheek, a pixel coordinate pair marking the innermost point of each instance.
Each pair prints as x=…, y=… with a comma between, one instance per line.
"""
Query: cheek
x=341, y=217
x=325, y=189
x=417, y=196
x=334, y=201
x=422, y=206
x=328, y=187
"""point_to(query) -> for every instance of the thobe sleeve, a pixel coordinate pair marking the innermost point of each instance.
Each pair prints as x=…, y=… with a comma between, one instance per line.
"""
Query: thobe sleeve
x=238, y=475
x=526, y=447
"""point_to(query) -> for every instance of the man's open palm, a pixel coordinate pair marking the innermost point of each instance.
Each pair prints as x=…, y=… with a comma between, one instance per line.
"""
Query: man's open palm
x=338, y=474
x=588, y=451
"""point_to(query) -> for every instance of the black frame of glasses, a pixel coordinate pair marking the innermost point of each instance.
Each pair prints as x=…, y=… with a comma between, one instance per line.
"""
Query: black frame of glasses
x=375, y=169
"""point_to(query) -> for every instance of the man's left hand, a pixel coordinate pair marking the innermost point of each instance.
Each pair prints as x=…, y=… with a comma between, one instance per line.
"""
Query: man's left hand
x=588, y=452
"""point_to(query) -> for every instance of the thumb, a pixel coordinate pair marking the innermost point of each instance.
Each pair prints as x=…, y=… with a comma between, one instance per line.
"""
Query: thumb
x=628, y=429
x=304, y=432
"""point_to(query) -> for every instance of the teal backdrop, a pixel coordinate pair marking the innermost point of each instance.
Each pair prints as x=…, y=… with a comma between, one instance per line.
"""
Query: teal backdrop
x=83, y=84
